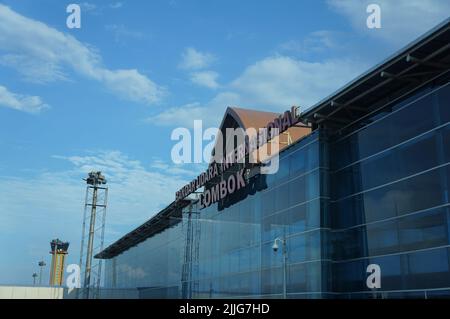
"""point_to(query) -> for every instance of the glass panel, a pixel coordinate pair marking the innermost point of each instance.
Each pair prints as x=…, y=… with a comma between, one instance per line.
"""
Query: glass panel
x=414, y=194
x=424, y=230
x=444, y=103
x=428, y=269
x=414, y=157
x=382, y=238
x=414, y=119
x=304, y=160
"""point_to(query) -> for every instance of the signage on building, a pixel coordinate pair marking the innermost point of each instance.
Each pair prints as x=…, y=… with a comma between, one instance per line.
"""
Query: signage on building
x=237, y=180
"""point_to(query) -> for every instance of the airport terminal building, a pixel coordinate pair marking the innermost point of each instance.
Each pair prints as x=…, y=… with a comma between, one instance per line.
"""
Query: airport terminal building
x=364, y=178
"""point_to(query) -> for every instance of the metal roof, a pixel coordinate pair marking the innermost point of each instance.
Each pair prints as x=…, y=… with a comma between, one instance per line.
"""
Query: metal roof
x=413, y=66
x=169, y=216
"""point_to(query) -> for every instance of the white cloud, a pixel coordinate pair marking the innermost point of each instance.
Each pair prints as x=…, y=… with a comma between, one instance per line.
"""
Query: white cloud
x=272, y=84
x=315, y=42
x=131, y=85
x=205, y=78
x=135, y=192
x=191, y=59
x=133, y=188
x=87, y=6
x=210, y=113
x=121, y=32
x=278, y=82
x=42, y=54
x=179, y=116
x=183, y=169
x=40, y=209
x=116, y=5
x=47, y=205
x=26, y=103
x=401, y=20
x=94, y=9
x=43, y=71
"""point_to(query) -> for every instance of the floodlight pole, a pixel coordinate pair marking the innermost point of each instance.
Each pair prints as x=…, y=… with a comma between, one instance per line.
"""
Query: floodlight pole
x=94, y=182
x=54, y=262
x=87, y=274
x=41, y=265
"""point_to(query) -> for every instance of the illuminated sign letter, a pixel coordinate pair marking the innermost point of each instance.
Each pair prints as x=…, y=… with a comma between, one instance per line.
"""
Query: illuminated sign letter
x=240, y=179
x=215, y=193
x=223, y=189
x=231, y=184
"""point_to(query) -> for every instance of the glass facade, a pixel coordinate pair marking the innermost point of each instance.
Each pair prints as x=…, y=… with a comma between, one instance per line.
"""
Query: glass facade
x=390, y=199
x=376, y=192
x=235, y=256
x=153, y=266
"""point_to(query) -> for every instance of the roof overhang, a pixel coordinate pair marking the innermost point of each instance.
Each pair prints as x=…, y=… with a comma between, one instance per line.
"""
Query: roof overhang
x=169, y=216
x=420, y=62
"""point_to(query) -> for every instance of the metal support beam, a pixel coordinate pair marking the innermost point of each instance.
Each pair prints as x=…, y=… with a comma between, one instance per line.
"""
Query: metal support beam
x=388, y=80
x=322, y=118
x=410, y=58
x=388, y=75
x=348, y=106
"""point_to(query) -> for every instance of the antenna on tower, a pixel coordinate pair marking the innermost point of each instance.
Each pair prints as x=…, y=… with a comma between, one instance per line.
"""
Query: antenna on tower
x=93, y=232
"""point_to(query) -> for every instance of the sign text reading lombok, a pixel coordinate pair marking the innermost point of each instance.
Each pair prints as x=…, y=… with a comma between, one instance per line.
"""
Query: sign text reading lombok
x=237, y=148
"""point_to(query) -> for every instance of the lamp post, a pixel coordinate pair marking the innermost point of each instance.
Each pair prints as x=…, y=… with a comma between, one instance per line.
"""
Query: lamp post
x=41, y=264
x=34, y=278
x=284, y=251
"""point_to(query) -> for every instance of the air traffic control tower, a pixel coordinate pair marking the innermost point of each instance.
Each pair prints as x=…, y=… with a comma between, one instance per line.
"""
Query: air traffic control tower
x=58, y=251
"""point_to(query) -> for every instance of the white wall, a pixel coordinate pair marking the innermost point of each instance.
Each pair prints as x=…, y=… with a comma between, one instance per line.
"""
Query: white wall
x=14, y=292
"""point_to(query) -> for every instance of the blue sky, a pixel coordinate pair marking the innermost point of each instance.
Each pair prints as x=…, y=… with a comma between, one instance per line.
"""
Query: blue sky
x=108, y=95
